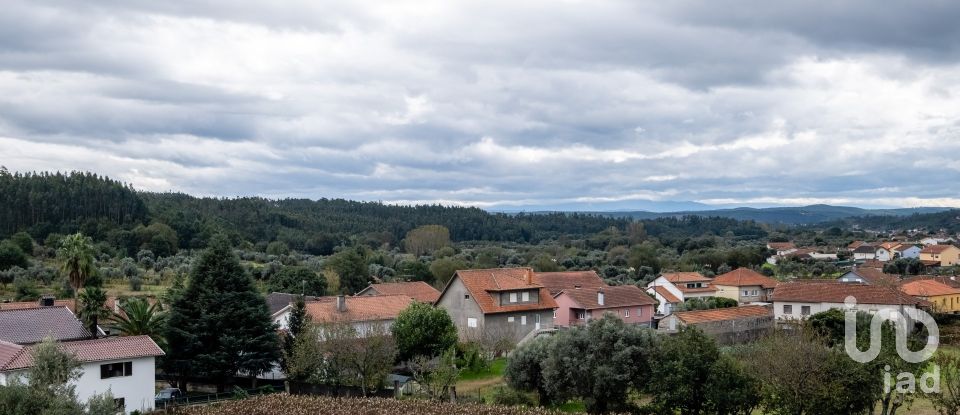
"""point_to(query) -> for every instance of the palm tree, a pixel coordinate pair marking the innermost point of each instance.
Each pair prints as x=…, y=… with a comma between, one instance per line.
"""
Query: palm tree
x=141, y=318
x=76, y=255
x=92, y=307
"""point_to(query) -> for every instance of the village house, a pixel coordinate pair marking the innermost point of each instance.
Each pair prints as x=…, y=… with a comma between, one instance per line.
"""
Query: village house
x=944, y=298
x=884, y=253
x=854, y=245
x=365, y=313
x=578, y=306
x=744, y=285
x=124, y=366
x=674, y=288
x=864, y=252
x=940, y=255
x=418, y=290
x=782, y=248
x=869, y=276
x=726, y=325
x=799, y=300
x=907, y=250
x=498, y=303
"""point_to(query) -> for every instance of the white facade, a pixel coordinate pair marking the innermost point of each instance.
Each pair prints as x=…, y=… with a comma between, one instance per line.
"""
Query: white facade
x=884, y=254
x=862, y=256
x=797, y=310
x=665, y=307
x=137, y=389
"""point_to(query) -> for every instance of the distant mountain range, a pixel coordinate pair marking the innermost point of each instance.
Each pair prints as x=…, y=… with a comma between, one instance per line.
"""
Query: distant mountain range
x=802, y=215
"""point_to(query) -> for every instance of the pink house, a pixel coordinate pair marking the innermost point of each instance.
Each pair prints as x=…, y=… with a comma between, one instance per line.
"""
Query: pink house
x=578, y=306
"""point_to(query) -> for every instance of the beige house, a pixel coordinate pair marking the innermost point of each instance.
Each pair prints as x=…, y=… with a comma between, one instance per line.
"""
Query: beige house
x=945, y=255
x=745, y=285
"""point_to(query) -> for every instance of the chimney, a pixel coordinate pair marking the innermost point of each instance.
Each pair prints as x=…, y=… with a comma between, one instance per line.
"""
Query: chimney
x=600, y=296
x=528, y=276
x=47, y=301
x=341, y=303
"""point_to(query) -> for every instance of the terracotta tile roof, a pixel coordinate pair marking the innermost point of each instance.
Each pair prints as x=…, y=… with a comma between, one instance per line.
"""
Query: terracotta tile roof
x=889, y=245
x=686, y=290
x=741, y=277
x=613, y=296
x=943, y=279
x=836, y=292
x=32, y=325
x=666, y=294
x=875, y=276
x=9, y=352
x=855, y=244
x=676, y=277
x=483, y=282
x=363, y=308
x=936, y=249
x=559, y=281
x=418, y=290
x=928, y=288
x=96, y=350
x=721, y=314
x=781, y=246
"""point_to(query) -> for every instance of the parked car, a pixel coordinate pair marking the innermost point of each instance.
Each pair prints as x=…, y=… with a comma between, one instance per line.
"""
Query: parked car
x=165, y=396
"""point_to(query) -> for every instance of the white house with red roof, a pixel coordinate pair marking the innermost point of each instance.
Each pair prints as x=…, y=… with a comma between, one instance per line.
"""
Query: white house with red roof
x=673, y=288
x=124, y=366
x=799, y=300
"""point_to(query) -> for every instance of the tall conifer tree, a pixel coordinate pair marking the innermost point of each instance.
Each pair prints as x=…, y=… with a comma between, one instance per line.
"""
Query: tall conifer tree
x=220, y=325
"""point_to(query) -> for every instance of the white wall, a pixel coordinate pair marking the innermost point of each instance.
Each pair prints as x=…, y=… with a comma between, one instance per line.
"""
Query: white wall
x=138, y=389
x=815, y=308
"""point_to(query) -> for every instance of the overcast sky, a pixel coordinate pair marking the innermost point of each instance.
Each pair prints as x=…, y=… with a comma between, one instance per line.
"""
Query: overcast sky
x=584, y=104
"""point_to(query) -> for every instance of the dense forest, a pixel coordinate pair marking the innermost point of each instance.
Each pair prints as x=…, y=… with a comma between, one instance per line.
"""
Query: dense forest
x=107, y=210
x=54, y=202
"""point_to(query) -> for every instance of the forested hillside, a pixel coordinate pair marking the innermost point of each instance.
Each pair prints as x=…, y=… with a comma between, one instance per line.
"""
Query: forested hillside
x=42, y=203
x=300, y=222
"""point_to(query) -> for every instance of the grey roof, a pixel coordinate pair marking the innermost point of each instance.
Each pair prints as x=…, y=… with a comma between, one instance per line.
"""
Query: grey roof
x=277, y=301
x=32, y=325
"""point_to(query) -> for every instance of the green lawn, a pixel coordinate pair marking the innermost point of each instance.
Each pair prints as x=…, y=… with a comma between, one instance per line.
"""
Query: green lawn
x=494, y=371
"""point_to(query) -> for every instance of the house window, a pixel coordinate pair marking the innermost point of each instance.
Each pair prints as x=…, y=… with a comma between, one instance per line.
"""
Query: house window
x=581, y=315
x=471, y=322
x=116, y=370
x=513, y=297
x=466, y=296
x=510, y=319
x=626, y=313
x=525, y=296
x=523, y=320
x=554, y=313
x=805, y=310
x=787, y=309
x=746, y=293
x=120, y=404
